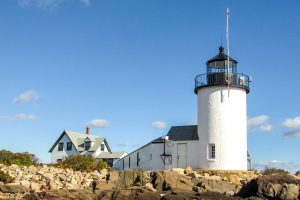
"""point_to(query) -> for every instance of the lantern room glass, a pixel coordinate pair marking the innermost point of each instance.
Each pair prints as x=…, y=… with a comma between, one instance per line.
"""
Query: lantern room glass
x=222, y=67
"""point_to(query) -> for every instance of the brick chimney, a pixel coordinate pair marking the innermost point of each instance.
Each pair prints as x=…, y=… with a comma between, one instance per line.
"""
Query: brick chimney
x=87, y=130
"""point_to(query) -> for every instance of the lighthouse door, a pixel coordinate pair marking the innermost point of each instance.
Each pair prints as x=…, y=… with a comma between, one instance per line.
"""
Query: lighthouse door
x=181, y=155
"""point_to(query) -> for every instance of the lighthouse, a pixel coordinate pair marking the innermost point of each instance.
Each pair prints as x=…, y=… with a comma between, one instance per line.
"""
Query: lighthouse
x=222, y=114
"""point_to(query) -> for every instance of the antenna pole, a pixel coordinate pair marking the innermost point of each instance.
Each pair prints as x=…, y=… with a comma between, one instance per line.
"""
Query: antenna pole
x=227, y=39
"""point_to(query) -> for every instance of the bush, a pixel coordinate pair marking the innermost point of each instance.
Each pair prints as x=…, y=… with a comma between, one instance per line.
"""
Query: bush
x=101, y=165
x=297, y=173
x=9, y=158
x=85, y=163
x=270, y=171
x=5, y=178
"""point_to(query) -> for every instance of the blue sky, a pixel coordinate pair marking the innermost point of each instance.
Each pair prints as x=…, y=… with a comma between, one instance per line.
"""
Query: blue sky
x=126, y=68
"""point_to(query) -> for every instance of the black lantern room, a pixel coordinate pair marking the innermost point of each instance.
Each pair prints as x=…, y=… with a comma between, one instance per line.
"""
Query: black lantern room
x=219, y=63
x=221, y=73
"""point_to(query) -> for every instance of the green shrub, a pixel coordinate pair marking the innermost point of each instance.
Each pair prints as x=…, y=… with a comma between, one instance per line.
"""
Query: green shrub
x=101, y=165
x=5, y=178
x=80, y=163
x=85, y=163
x=270, y=171
x=9, y=158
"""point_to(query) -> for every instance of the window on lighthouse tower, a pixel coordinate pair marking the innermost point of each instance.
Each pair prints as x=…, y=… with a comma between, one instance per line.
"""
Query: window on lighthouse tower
x=212, y=151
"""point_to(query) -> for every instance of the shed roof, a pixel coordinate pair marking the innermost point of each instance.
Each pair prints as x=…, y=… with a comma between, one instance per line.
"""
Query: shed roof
x=181, y=133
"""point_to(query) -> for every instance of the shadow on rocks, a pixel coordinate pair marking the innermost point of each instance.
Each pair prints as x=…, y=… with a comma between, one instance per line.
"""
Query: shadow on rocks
x=137, y=194
x=194, y=196
x=249, y=189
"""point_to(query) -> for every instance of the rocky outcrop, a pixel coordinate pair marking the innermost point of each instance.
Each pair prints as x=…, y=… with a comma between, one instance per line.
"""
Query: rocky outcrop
x=129, y=178
x=217, y=186
x=47, y=178
x=46, y=182
x=278, y=186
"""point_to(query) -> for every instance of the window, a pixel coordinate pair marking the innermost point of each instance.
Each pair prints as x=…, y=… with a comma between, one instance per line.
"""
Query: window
x=60, y=146
x=102, y=147
x=69, y=146
x=87, y=145
x=129, y=163
x=59, y=160
x=138, y=159
x=212, y=151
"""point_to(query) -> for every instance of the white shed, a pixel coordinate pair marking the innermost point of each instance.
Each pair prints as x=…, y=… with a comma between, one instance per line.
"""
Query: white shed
x=178, y=150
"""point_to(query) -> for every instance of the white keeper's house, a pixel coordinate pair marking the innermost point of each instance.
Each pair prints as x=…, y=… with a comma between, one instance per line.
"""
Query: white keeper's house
x=219, y=140
x=72, y=143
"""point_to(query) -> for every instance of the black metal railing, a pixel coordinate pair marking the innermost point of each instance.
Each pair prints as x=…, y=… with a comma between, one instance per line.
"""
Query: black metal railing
x=221, y=78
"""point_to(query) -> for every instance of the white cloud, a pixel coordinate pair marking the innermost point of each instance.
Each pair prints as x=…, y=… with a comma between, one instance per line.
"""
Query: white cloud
x=266, y=127
x=159, y=124
x=44, y=4
x=289, y=166
x=292, y=122
x=86, y=2
x=98, y=123
x=259, y=123
x=19, y=117
x=47, y=4
x=26, y=97
x=293, y=125
x=258, y=120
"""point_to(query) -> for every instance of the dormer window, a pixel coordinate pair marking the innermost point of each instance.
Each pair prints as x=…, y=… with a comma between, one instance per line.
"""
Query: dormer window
x=102, y=147
x=87, y=145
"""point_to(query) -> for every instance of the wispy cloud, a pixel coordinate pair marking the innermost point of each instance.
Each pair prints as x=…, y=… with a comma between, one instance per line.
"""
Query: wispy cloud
x=266, y=127
x=289, y=166
x=43, y=4
x=135, y=146
x=293, y=126
x=293, y=133
x=159, y=124
x=26, y=97
x=129, y=146
x=47, y=4
x=86, y=2
x=98, y=123
x=292, y=122
x=122, y=145
x=19, y=117
x=259, y=123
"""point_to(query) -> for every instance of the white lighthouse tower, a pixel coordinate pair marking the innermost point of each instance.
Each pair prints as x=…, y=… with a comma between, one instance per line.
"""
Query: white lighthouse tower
x=222, y=114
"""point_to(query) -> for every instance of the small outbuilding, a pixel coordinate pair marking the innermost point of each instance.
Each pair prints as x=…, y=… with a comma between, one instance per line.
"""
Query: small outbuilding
x=170, y=151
